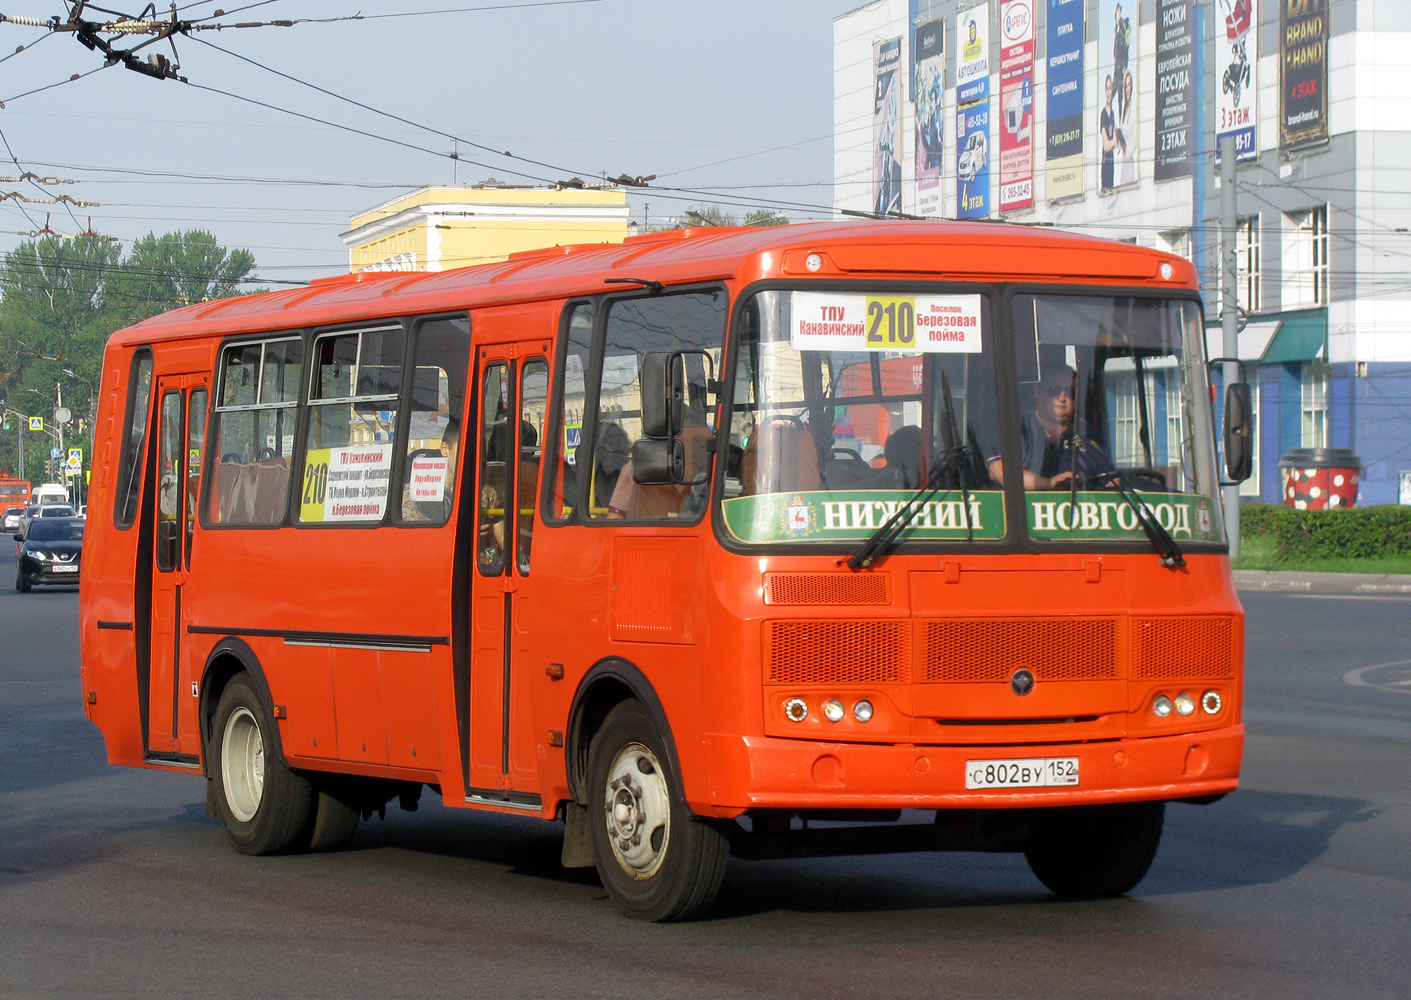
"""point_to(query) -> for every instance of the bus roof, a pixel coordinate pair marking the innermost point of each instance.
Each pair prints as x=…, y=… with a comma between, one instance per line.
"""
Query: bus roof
x=977, y=251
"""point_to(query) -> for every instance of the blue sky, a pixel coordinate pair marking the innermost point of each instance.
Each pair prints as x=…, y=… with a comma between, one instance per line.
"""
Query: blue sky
x=734, y=96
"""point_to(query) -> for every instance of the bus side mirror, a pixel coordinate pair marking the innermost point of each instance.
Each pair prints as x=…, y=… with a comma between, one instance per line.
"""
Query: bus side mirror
x=1239, y=454
x=663, y=394
x=657, y=462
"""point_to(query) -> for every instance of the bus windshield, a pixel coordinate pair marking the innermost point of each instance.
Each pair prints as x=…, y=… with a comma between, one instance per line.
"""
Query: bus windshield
x=847, y=403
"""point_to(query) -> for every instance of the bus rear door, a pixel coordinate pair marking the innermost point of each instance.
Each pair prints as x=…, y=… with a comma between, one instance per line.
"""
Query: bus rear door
x=510, y=420
x=181, y=432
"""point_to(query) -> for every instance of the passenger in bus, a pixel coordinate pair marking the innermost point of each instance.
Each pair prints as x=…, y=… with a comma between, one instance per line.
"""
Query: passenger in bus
x=610, y=457
x=437, y=510
x=903, y=453
x=495, y=506
x=1046, y=434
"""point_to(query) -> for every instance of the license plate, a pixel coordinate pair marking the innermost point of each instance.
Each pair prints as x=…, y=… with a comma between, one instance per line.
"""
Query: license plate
x=1034, y=772
x=63, y=569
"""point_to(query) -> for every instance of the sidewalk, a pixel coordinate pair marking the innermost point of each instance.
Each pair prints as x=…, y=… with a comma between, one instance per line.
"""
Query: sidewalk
x=1322, y=583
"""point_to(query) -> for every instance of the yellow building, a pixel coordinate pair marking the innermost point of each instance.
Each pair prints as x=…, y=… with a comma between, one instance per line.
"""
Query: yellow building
x=441, y=228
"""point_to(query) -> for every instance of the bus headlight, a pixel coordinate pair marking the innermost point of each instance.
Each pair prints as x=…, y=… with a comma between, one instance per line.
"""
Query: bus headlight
x=862, y=711
x=796, y=709
x=1161, y=705
x=1185, y=704
x=1211, y=703
x=833, y=710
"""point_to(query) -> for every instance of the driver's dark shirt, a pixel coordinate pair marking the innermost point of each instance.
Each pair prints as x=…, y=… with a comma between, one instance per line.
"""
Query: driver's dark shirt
x=1047, y=457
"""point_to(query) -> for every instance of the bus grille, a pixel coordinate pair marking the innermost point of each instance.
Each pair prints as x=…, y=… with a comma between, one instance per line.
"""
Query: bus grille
x=832, y=652
x=1065, y=649
x=827, y=588
x=1183, y=647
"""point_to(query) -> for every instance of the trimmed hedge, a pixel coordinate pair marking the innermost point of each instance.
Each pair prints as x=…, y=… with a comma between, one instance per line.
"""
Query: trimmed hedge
x=1353, y=533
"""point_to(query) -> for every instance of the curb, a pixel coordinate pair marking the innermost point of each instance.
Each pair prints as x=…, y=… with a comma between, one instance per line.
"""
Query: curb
x=1322, y=583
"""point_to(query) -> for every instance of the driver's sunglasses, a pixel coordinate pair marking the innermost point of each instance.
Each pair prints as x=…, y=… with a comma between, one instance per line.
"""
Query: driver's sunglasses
x=1056, y=390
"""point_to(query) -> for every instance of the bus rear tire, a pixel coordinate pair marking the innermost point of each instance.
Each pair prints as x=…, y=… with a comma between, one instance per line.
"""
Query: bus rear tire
x=263, y=806
x=656, y=860
x=1091, y=852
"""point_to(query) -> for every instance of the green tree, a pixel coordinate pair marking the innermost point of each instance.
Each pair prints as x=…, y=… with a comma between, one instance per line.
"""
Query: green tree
x=765, y=217
x=61, y=299
x=177, y=269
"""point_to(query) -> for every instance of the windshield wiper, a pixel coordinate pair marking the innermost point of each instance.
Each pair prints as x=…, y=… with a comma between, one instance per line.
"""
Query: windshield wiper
x=1161, y=539
x=884, y=537
x=882, y=540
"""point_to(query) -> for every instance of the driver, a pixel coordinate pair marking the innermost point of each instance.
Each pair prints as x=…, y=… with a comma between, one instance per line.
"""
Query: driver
x=1046, y=438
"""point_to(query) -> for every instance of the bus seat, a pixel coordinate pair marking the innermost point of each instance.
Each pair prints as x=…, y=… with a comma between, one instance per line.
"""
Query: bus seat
x=781, y=459
x=271, y=488
x=847, y=470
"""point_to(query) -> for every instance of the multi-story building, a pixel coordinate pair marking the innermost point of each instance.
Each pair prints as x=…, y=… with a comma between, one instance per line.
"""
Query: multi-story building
x=1103, y=116
x=440, y=228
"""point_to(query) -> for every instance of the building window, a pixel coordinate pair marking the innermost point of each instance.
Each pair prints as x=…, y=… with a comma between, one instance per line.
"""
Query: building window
x=1178, y=242
x=1247, y=263
x=1314, y=406
x=1306, y=259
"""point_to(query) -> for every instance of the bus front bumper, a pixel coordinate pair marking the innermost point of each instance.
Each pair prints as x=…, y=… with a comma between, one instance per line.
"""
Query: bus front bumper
x=758, y=772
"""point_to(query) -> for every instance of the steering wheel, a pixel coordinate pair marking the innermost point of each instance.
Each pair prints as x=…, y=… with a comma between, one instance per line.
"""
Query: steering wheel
x=784, y=420
x=1155, y=475
x=851, y=454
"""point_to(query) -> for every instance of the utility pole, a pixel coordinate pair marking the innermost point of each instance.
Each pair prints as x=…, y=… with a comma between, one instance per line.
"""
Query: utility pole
x=1229, y=306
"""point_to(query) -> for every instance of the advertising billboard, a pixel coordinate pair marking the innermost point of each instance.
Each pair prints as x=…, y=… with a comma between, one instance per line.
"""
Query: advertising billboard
x=1016, y=105
x=1117, y=100
x=930, y=87
x=1303, y=66
x=972, y=67
x=1175, y=87
x=1064, y=163
x=886, y=127
x=1236, y=69
x=972, y=161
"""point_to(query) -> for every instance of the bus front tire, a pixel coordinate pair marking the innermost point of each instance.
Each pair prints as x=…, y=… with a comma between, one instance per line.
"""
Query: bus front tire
x=655, y=859
x=263, y=806
x=1091, y=852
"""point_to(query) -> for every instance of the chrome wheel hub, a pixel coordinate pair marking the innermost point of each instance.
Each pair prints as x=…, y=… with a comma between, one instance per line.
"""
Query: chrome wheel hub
x=637, y=809
x=242, y=764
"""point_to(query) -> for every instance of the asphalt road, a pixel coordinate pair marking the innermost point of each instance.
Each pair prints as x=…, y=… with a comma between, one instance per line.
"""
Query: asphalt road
x=113, y=883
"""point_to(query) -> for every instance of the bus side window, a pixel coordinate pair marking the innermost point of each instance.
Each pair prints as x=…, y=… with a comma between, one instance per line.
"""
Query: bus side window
x=253, y=433
x=429, y=454
x=533, y=401
x=495, y=442
x=139, y=396
x=169, y=487
x=569, y=450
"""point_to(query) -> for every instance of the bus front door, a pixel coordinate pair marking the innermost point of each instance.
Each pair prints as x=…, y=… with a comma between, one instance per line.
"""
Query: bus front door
x=501, y=760
x=181, y=433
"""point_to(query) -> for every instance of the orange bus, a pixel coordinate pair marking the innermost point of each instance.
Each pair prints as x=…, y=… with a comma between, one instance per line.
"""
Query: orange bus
x=13, y=491
x=825, y=538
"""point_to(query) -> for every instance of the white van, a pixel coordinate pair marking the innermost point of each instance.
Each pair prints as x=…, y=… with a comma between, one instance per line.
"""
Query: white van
x=49, y=493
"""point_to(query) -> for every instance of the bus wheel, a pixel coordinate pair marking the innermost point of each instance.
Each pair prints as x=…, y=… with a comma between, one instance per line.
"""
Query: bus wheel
x=264, y=807
x=1088, y=852
x=656, y=860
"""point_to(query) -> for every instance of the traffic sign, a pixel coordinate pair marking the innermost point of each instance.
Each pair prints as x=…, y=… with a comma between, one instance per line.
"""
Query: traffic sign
x=36, y=423
x=75, y=461
x=54, y=452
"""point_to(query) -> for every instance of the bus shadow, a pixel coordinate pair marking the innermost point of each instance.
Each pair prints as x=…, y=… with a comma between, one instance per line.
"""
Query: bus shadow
x=1250, y=838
